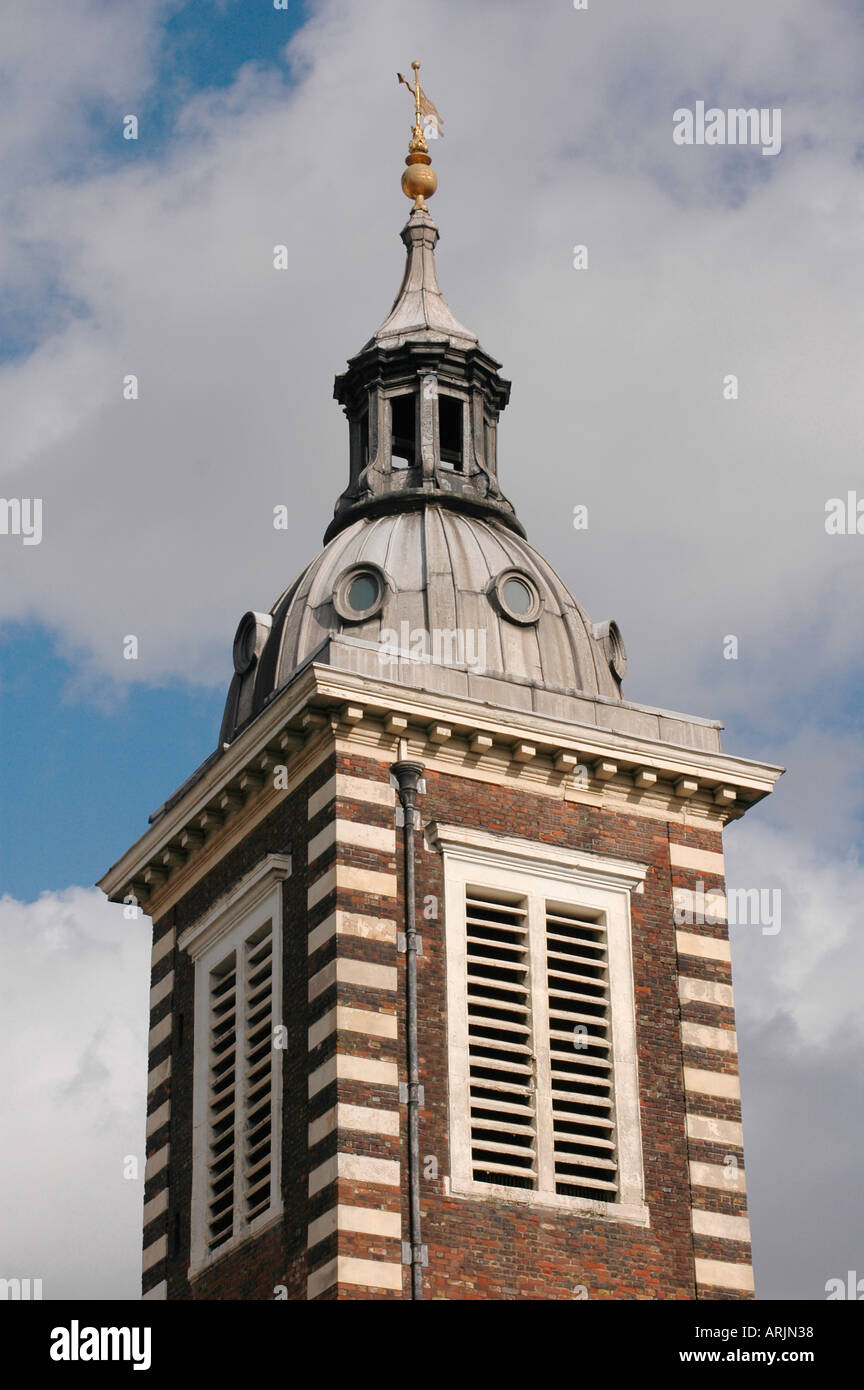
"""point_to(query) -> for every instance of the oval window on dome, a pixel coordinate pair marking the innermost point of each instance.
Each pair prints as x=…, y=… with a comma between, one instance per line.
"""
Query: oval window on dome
x=359, y=593
x=517, y=596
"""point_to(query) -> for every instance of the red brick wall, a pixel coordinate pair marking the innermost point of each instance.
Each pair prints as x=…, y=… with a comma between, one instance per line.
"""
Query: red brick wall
x=483, y=1249
x=278, y=1256
x=477, y=1248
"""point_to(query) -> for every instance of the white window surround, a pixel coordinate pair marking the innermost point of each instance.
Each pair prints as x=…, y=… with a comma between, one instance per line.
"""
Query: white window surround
x=256, y=899
x=584, y=880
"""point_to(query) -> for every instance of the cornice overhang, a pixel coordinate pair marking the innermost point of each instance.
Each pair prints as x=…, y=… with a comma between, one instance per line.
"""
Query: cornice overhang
x=382, y=366
x=231, y=783
x=325, y=708
x=465, y=716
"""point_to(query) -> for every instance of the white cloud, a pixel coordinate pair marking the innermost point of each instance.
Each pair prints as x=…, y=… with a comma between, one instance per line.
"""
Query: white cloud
x=74, y=980
x=58, y=64
x=811, y=970
x=158, y=512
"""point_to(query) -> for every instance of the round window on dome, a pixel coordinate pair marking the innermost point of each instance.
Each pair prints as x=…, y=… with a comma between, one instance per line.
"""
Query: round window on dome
x=359, y=593
x=363, y=593
x=517, y=597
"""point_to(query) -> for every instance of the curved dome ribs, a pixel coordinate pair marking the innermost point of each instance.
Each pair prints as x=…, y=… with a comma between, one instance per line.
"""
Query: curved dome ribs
x=439, y=568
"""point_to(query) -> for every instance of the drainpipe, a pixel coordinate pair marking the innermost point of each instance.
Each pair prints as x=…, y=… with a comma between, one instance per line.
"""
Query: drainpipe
x=407, y=776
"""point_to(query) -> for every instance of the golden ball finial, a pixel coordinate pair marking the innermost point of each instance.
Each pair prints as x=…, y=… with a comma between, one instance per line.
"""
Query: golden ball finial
x=419, y=181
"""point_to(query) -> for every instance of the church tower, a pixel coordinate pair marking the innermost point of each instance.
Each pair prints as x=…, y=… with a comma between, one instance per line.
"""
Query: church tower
x=441, y=1000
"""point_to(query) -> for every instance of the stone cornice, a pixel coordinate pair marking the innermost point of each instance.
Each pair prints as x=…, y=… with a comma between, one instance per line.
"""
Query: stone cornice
x=238, y=781
x=464, y=716
x=325, y=708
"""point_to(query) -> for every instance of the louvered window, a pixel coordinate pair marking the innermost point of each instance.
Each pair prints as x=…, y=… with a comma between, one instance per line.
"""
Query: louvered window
x=507, y=1051
x=258, y=1071
x=223, y=1100
x=580, y=1055
x=241, y=1099
x=543, y=1081
x=237, y=1064
x=501, y=1054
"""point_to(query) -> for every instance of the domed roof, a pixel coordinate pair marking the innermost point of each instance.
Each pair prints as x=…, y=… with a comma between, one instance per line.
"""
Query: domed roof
x=430, y=597
x=426, y=577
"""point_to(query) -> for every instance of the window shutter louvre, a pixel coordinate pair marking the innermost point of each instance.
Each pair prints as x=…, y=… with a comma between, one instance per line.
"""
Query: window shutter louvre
x=223, y=1102
x=501, y=1062
x=258, y=1072
x=237, y=1064
x=544, y=1103
x=580, y=1049
x=241, y=1088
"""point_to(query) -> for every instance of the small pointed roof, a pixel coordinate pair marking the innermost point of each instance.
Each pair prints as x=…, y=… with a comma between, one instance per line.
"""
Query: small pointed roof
x=420, y=311
x=422, y=339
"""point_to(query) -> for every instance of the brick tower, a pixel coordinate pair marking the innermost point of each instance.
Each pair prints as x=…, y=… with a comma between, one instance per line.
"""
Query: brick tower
x=423, y=1021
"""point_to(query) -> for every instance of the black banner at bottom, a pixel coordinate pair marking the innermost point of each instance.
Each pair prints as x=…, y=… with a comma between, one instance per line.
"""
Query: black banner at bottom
x=62, y=1339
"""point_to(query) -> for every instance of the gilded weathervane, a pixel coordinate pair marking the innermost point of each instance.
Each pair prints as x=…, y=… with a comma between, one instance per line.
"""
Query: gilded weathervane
x=419, y=181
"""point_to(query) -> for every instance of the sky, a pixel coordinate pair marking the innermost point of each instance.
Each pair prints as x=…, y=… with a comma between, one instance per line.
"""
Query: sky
x=260, y=127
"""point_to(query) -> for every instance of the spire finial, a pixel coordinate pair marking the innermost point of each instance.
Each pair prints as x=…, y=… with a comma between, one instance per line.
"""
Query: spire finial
x=419, y=181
